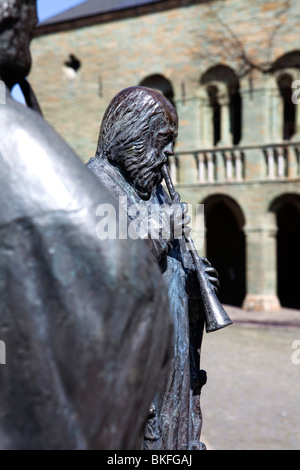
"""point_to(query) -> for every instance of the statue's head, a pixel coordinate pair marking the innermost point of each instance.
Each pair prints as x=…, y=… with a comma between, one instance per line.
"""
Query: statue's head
x=17, y=22
x=137, y=135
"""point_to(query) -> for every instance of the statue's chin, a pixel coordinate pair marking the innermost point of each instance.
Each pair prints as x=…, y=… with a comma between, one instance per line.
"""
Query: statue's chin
x=145, y=192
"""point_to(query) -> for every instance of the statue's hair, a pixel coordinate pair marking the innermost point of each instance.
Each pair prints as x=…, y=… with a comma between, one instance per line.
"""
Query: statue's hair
x=128, y=121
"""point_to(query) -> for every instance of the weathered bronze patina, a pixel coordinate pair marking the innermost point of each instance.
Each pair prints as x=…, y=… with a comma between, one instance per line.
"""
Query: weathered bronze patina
x=136, y=138
x=85, y=322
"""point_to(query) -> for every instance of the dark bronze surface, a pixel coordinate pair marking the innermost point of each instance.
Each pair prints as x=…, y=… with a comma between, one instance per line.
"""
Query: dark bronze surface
x=136, y=138
x=85, y=322
x=215, y=315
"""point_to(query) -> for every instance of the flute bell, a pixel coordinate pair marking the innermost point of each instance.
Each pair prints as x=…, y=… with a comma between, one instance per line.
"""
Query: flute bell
x=216, y=317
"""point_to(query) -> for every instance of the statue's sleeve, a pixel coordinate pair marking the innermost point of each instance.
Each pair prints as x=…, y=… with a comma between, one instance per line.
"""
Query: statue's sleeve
x=158, y=247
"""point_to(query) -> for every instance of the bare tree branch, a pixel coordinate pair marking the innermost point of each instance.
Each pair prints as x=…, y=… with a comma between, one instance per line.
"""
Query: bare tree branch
x=227, y=43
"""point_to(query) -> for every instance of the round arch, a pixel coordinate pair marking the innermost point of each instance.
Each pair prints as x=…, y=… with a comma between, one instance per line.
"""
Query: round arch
x=221, y=73
x=226, y=246
x=160, y=83
x=288, y=60
x=287, y=210
x=222, y=88
x=285, y=70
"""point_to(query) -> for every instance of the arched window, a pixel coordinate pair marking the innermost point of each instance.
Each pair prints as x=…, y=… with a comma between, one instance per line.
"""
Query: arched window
x=222, y=88
x=160, y=83
x=284, y=82
x=212, y=92
x=286, y=70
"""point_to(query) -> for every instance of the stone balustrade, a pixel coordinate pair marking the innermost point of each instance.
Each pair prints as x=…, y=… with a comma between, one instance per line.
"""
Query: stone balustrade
x=235, y=163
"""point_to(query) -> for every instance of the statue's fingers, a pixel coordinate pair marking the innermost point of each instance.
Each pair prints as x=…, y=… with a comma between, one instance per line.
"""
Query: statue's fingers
x=205, y=260
x=215, y=282
x=186, y=220
x=211, y=272
x=186, y=231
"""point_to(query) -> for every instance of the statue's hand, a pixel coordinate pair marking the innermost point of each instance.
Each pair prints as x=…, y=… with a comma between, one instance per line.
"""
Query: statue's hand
x=179, y=219
x=169, y=221
x=212, y=274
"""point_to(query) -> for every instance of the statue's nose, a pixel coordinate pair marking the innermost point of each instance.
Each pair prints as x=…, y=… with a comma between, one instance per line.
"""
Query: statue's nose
x=169, y=149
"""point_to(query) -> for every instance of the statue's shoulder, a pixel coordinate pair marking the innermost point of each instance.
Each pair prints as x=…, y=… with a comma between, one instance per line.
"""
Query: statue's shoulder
x=20, y=125
x=39, y=170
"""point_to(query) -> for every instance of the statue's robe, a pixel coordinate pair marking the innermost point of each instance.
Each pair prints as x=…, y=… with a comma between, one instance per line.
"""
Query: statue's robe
x=85, y=322
x=175, y=419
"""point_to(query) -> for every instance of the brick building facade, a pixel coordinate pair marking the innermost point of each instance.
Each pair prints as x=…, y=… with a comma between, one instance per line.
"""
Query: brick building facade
x=229, y=66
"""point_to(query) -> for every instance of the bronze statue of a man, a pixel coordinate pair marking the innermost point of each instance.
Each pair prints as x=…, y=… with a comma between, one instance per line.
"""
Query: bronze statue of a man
x=136, y=138
x=85, y=321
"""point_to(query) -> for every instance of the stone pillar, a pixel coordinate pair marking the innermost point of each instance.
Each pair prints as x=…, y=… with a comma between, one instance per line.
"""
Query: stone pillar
x=206, y=128
x=226, y=135
x=297, y=123
x=261, y=269
x=255, y=92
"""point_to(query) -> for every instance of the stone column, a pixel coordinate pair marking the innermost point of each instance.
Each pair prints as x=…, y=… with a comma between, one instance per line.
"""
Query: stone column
x=206, y=128
x=296, y=136
x=226, y=135
x=255, y=94
x=261, y=268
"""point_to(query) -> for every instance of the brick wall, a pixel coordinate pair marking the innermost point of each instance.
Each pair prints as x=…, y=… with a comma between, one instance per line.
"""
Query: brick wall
x=179, y=43
x=182, y=43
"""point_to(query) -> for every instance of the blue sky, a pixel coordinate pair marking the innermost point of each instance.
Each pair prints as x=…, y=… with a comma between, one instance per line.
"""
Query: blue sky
x=46, y=9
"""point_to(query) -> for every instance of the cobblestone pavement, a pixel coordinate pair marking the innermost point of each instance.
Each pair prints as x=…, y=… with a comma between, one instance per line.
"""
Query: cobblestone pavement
x=252, y=397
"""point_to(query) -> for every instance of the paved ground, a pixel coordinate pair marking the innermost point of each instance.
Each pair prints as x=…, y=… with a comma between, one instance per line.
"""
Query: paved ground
x=252, y=397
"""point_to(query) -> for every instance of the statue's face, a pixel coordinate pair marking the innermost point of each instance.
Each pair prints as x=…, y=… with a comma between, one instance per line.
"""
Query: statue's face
x=137, y=136
x=159, y=147
x=17, y=22
x=162, y=139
